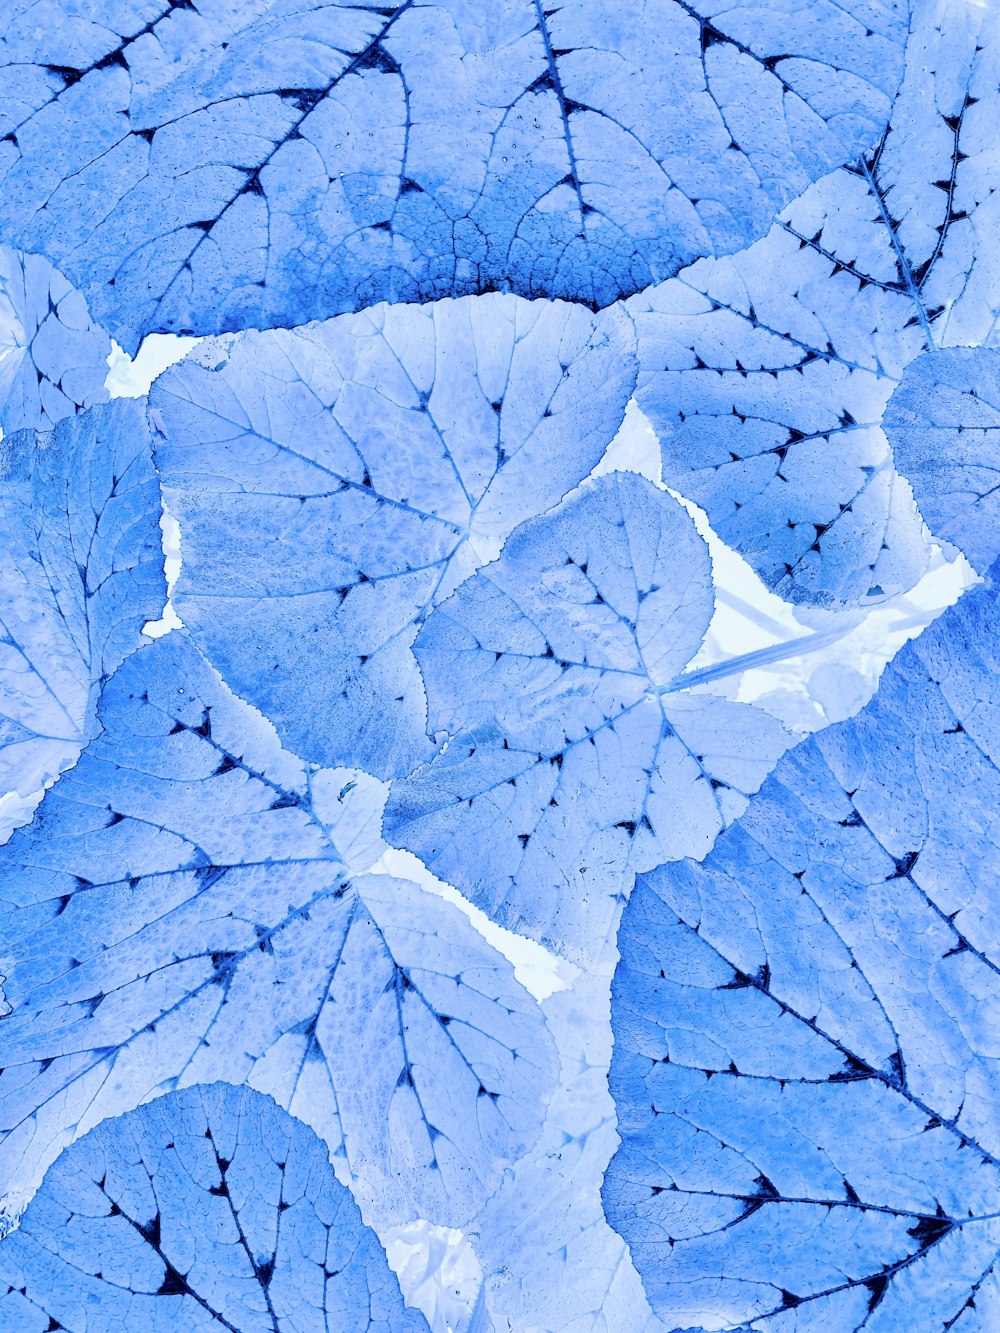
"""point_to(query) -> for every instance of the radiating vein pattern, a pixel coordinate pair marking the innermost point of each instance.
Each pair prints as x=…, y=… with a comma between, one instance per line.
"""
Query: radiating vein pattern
x=806, y=1067
x=210, y=1209
x=572, y=761
x=179, y=912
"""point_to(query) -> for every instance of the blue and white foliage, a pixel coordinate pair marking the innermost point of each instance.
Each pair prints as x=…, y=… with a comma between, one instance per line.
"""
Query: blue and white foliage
x=806, y=1064
x=412, y=578
x=573, y=759
x=81, y=571
x=209, y=1209
x=766, y=375
x=53, y=358
x=333, y=483
x=944, y=426
x=180, y=912
x=214, y=166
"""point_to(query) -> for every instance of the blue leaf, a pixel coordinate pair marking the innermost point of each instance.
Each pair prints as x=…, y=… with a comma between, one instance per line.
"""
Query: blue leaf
x=216, y=166
x=944, y=423
x=805, y=1060
x=333, y=483
x=210, y=1209
x=572, y=762
x=936, y=171
x=54, y=359
x=481, y=1322
x=180, y=911
x=766, y=375
x=81, y=571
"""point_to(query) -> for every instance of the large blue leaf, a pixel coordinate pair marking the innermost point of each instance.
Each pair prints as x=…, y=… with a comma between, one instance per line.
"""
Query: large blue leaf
x=53, y=359
x=334, y=482
x=210, y=1209
x=81, y=571
x=806, y=1063
x=573, y=760
x=944, y=426
x=210, y=166
x=766, y=375
x=180, y=911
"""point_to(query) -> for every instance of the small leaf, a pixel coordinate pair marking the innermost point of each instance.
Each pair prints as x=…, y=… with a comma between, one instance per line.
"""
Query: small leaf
x=81, y=571
x=937, y=169
x=944, y=426
x=765, y=377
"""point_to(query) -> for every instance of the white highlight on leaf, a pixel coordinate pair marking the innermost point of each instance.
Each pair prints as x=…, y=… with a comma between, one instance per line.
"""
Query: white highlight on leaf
x=131, y=377
x=810, y=686
x=540, y=971
x=438, y=1272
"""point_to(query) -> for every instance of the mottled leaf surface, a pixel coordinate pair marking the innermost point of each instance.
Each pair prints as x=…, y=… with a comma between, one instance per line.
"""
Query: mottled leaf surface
x=806, y=1063
x=53, y=358
x=573, y=761
x=766, y=374
x=81, y=571
x=334, y=482
x=209, y=1209
x=180, y=911
x=944, y=426
x=207, y=167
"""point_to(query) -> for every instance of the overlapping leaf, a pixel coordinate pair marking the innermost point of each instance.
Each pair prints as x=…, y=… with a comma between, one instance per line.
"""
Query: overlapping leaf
x=80, y=574
x=766, y=375
x=573, y=1273
x=334, y=482
x=180, y=911
x=211, y=166
x=572, y=761
x=53, y=359
x=806, y=1063
x=209, y=1209
x=944, y=425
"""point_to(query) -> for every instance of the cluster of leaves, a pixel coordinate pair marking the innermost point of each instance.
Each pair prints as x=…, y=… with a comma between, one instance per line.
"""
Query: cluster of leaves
x=235, y=1051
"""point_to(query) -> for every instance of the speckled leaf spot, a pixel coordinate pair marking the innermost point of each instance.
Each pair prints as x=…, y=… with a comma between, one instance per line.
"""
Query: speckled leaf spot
x=208, y=167
x=210, y=1209
x=180, y=911
x=335, y=482
x=806, y=1065
x=574, y=759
